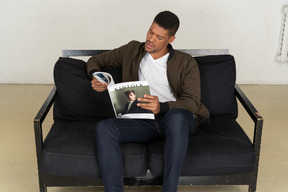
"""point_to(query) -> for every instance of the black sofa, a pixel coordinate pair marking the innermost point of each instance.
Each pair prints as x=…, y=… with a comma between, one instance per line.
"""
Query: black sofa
x=219, y=153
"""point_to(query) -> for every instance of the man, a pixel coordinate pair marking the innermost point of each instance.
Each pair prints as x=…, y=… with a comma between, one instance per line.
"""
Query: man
x=174, y=84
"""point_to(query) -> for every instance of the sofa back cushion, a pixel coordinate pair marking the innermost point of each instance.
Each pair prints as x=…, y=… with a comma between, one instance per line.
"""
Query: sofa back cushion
x=76, y=100
x=218, y=76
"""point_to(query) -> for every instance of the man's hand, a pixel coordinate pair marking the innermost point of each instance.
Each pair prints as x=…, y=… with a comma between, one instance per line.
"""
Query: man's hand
x=98, y=86
x=152, y=103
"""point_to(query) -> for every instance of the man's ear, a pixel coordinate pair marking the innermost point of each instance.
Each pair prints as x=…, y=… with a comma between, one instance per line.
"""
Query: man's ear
x=171, y=39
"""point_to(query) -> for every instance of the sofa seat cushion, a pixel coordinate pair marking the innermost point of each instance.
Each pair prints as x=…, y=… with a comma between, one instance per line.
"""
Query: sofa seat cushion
x=224, y=148
x=69, y=150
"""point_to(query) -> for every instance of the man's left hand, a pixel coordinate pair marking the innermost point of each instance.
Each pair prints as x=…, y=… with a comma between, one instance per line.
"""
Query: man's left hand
x=151, y=103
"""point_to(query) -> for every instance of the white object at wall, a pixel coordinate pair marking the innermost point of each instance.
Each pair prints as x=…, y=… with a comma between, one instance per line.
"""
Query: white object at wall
x=282, y=54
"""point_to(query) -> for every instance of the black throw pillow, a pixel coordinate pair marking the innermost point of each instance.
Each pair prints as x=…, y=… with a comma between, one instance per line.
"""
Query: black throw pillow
x=76, y=100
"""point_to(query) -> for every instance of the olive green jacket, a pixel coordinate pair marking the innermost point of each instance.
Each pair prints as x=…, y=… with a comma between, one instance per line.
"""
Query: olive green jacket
x=182, y=73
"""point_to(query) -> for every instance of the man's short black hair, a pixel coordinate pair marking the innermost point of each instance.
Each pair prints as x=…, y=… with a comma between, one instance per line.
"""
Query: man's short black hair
x=168, y=20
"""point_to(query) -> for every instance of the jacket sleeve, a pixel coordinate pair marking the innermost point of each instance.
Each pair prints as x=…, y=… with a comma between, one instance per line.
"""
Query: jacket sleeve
x=106, y=59
x=186, y=86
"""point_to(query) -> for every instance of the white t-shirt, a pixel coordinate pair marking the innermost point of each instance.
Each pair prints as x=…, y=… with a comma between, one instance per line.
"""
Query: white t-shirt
x=155, y=72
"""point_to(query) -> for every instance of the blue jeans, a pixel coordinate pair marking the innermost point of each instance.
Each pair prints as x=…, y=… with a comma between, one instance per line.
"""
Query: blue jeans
x=175, y=126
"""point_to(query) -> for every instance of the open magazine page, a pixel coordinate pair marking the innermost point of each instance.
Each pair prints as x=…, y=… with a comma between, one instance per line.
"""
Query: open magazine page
x=104, y=77
x=124, y=99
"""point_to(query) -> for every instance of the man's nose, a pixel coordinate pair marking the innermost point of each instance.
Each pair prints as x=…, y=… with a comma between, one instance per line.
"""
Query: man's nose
x=152, y=38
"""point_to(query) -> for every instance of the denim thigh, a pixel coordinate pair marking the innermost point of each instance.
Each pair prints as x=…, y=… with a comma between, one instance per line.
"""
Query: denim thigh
x=128, y=130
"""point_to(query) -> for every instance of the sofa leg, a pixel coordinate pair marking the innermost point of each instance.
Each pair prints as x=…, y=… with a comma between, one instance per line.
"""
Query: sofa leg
x=253, y=183
x=252, y=188
x=43, y=189
x=42, y=185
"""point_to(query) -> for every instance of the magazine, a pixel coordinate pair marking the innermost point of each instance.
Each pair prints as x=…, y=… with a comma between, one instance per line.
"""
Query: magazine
x=124, y=97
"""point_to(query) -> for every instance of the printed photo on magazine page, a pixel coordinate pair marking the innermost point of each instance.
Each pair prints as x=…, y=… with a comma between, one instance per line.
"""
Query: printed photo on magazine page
x=124, y=97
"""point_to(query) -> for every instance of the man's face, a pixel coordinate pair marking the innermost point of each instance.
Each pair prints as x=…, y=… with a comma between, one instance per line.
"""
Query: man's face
x=157, y=40
x=132, y=96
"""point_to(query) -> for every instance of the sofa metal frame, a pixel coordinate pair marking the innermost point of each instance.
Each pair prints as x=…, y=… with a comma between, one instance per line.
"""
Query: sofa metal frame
x=249, y=179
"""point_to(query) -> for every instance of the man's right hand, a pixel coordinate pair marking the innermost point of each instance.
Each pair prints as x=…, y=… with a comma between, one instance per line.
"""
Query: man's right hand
x=98, y=86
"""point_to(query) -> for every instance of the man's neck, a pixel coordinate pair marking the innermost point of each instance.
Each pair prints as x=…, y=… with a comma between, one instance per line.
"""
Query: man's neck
x=159, y=54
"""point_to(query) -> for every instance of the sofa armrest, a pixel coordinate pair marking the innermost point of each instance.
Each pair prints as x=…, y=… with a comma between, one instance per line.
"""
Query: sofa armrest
x=38, y=120
x=41, y=115
x=254, y=114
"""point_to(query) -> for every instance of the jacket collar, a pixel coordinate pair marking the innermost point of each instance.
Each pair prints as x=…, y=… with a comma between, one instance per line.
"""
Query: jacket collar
x=170, y=47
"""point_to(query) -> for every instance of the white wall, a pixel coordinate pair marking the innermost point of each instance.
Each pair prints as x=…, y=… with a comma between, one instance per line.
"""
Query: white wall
x=33, y=33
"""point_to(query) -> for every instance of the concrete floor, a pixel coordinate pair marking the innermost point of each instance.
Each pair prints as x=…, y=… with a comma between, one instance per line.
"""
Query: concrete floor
x=18, y=168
